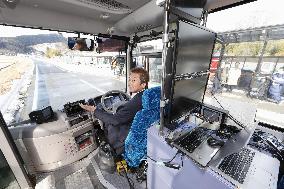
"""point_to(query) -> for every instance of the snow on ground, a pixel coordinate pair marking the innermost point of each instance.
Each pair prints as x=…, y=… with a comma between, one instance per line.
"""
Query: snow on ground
x=13, y=101
x=99, y=70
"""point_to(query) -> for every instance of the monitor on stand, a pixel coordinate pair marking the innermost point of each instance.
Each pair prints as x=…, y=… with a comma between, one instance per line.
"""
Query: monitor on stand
x=193, y=55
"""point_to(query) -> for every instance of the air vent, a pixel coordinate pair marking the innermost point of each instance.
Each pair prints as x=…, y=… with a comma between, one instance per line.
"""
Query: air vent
x=109, y=6
x=9, y=3
x=144, y=27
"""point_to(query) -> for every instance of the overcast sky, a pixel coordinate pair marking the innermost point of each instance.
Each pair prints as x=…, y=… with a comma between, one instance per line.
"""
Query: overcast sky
x=255, y=14
x=251, y=15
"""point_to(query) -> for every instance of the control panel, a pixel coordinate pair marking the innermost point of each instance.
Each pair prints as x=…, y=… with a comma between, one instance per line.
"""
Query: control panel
x=73, y=108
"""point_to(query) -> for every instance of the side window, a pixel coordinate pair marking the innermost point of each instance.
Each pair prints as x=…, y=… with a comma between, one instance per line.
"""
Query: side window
x=155, y=71
x=7, y=178
x=148, y=54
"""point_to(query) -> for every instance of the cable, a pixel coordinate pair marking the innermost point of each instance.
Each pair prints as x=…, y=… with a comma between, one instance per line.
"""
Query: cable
x=141, y=172
x=229, y=115
x=167, y=163
x=131, y=185
x=152, y=159
x=174, y=157
x=181, y=157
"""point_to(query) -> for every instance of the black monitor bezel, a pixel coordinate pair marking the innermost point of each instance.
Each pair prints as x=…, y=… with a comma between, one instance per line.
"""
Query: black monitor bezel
x=170, y=81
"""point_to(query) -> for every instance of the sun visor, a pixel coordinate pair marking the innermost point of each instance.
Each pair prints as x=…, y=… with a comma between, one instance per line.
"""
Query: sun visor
x=190, y=4
x=152, y=16
x=147, y=17
x=217, y=5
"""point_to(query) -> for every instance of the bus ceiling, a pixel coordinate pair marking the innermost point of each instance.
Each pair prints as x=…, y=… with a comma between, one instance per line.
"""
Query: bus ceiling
x=119, y=17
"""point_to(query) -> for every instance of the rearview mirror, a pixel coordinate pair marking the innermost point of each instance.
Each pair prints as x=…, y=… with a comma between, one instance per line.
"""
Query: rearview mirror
x=110, y=45
x=81, y=44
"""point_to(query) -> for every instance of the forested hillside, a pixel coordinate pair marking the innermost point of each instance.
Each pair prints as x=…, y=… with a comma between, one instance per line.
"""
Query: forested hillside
x=23, y=44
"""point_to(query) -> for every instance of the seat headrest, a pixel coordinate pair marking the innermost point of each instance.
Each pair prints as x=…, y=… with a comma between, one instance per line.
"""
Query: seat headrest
x=151, y=98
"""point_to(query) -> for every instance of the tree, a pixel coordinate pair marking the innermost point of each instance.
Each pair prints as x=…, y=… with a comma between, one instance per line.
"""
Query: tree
x=275, y=48
x=244, y=49
x=52, y=52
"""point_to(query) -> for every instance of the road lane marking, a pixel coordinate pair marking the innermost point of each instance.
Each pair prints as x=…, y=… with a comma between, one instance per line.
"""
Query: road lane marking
x=92, y=86
x=35, y=100
x=106, y=83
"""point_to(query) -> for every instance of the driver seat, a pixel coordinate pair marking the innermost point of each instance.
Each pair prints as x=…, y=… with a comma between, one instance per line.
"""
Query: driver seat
x=136, y=140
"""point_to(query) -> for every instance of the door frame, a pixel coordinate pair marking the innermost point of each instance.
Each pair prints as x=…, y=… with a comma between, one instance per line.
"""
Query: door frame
x=12, y=155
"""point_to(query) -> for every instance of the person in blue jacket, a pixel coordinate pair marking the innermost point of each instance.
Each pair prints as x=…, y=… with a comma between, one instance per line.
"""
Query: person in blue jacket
x=277, y=84
x=117, y=125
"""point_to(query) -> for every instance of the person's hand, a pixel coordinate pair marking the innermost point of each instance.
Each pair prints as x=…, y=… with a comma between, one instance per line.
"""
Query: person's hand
x=88, y=107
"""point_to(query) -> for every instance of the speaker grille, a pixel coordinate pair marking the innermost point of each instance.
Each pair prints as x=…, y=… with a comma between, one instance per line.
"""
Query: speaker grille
x=108, y=5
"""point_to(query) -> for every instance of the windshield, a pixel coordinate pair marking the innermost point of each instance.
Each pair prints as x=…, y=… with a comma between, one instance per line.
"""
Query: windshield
x=39, y=70
x=247, y=71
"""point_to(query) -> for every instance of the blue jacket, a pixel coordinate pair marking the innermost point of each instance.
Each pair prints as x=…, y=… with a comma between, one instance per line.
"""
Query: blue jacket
x=117, y=125
x=276, y=86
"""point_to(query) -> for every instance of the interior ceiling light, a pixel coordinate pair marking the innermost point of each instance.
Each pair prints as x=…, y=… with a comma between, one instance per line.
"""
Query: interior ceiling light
x=109, y=6
x=10, y=3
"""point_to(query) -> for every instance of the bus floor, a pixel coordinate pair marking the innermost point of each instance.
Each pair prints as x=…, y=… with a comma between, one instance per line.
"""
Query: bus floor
x=86, y=174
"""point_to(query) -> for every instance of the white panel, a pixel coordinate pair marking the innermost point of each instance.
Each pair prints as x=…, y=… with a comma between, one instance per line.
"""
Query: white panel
x=36, y=17
x=150, y=14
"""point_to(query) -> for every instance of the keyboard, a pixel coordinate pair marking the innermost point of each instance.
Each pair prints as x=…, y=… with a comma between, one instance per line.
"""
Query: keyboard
x=237, y=165
x=193, y=139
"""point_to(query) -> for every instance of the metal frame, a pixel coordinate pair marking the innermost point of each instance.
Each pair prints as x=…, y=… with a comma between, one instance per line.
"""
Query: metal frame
x=184, y=15
x=169, y=11
x=12, y=155
x=164, y=55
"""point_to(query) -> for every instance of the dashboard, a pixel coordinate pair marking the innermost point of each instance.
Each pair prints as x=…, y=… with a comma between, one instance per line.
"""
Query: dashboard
x=109, y=101
x=73, y=108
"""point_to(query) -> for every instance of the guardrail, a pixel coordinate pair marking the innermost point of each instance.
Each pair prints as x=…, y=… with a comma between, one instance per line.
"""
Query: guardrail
x=6, y=66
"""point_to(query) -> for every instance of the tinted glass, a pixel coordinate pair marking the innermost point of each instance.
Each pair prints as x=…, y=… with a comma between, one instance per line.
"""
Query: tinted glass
x=7, y=178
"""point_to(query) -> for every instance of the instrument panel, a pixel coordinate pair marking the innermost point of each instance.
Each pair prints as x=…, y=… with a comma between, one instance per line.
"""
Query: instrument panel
x=109, y=101
x=73, y=109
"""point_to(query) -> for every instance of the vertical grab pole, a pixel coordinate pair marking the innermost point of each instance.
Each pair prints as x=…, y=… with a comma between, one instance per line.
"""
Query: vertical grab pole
x=164, y=55
x=128, y=64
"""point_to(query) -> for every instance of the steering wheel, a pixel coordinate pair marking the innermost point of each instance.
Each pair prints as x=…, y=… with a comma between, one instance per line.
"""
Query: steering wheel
x=122, y=95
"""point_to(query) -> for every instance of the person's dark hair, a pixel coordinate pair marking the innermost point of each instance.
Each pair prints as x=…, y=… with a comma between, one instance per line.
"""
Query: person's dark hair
x=82, y=43
x=143, y=74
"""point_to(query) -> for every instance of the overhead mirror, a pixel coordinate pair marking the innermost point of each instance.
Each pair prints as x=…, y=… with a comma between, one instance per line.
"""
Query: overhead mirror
x=110, y=45
x=80, y=44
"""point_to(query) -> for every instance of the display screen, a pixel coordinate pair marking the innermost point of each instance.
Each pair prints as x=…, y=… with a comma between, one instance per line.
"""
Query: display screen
x=188, y=94
x=47, y=112
x=195, y=48
x=211, y=115
x=108, y=102
x=194, y=52
x=115, y=99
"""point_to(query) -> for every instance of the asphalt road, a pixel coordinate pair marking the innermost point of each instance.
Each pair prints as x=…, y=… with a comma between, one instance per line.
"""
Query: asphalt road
x=53, y=86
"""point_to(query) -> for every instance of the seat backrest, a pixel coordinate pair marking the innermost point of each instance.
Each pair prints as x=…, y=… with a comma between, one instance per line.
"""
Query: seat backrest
x=151, y=98
x=136, y=141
